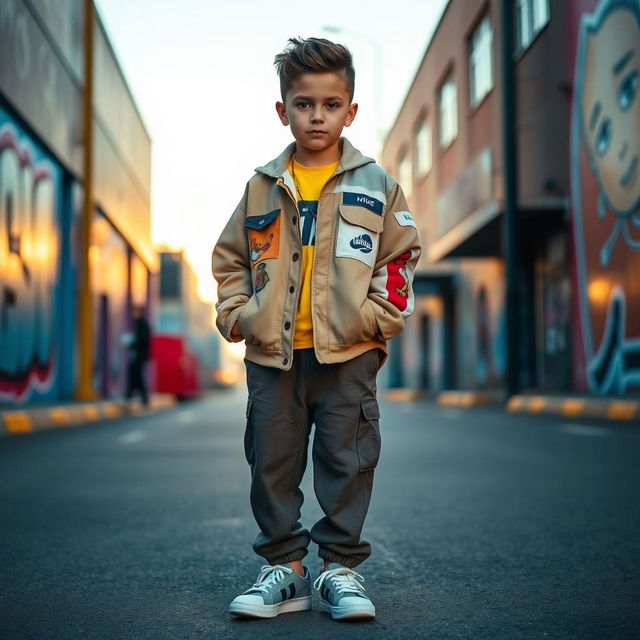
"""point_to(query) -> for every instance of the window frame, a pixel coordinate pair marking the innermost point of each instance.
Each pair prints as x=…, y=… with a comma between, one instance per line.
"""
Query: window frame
x=449, y=80
x=523, y=42
x=475, y=55
x=423, y=121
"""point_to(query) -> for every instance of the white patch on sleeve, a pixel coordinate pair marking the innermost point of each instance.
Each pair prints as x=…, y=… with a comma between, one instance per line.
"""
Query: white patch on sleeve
x=357, y=242
x=405, y=219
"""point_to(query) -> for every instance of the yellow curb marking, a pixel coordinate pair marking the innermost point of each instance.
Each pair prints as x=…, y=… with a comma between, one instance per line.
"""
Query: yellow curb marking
x=111, y=410
x=59, y=416
x=91, y=412
x=515, y=403
x=572, y=407
x=537, y=404
x=621, y=410
x=18, y=422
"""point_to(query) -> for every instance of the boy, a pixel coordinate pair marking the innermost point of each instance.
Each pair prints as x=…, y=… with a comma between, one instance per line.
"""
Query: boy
x=314, y=272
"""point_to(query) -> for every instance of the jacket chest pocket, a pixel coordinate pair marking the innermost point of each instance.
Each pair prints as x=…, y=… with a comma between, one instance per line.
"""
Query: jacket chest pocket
x=358, y=234
x=263, y=235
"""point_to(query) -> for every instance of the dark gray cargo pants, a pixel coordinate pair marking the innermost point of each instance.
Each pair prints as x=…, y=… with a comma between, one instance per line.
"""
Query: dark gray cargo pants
x=340, y=400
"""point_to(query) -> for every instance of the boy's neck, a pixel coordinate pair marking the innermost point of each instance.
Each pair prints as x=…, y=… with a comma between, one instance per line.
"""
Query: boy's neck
x=309, y=158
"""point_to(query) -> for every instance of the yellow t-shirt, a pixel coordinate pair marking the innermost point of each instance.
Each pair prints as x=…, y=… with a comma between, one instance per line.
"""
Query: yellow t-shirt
x=309, y=182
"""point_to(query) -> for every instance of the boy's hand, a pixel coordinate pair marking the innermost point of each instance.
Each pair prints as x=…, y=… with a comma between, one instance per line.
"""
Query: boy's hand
x=236, y=336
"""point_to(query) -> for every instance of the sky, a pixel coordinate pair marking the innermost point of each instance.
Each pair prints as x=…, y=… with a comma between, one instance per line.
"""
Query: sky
x=202, y=75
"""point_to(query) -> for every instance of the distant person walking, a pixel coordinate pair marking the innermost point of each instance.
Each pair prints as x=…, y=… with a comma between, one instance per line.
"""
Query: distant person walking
x=138, y=343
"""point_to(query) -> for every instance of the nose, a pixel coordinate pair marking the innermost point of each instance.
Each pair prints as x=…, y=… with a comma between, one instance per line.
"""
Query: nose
x=316, y=115
x=623, y=151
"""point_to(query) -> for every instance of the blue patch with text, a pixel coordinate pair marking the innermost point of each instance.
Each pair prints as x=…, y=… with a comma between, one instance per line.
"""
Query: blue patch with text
x=362, y=200
x=362, y=243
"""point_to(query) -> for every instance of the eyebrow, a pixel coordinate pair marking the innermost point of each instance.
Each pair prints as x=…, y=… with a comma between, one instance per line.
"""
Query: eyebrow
x=620, y=65
x=310, y=99
x=595, y=114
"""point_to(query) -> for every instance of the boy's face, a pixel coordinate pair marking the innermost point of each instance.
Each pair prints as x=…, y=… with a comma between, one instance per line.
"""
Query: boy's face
x=317, y=108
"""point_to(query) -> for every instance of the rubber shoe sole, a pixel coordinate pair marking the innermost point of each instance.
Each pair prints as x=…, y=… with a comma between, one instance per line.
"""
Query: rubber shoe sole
x=364, y=611
x=270, y=610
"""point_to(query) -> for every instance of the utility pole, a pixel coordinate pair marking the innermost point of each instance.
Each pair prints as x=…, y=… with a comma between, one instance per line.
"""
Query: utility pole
x=84, y=390
x=510, y=217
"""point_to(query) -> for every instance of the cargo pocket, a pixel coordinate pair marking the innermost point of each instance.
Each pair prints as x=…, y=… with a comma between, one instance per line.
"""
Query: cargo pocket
x=249, y=445
x=368, y=440
x=263, y=236
x=358, y=234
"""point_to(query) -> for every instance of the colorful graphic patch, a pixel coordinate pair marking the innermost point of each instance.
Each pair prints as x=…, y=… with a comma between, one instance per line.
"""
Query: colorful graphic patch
x=264, y=236
x=398, y=281
x=262, y=277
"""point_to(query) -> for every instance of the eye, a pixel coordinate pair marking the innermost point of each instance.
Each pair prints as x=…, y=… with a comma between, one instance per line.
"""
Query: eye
x=302, y=104
x=603, y=137
x=333, y=105
x=628, y=89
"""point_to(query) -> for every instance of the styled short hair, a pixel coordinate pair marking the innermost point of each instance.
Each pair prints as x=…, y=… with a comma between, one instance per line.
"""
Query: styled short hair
x=313, y=55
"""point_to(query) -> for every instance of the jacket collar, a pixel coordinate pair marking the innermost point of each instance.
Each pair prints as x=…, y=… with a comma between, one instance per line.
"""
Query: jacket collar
x=351, y=159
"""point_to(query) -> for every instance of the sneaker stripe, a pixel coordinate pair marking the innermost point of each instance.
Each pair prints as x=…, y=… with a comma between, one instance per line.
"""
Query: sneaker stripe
x=292, y=590
x=283, y=593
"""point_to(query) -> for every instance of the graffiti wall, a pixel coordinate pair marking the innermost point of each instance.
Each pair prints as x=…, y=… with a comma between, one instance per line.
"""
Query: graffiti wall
x=605, y=183
x=30, y=203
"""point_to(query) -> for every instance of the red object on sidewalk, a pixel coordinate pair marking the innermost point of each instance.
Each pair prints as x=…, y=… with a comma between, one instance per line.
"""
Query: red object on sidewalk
x=176, y=368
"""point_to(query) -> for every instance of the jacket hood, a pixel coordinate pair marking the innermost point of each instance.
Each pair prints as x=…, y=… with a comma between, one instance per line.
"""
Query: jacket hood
x=351, y=159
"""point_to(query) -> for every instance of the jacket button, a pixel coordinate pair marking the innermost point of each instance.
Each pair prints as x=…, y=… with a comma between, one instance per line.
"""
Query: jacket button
x=294, y=220
x=285, y=361
x=287, y=325
x=291, y=289
x=294, y=257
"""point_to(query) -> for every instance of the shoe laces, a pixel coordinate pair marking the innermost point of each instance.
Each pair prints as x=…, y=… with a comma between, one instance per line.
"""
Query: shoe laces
x=345, y=580
x=268, y=576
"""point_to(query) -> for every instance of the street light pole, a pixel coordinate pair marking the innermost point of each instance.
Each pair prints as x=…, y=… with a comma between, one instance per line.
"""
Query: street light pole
x=378, y=76
x=510, y=219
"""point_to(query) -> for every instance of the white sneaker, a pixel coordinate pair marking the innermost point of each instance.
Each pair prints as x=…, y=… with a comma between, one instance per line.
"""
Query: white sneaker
x=342, y=594
x=278, y=589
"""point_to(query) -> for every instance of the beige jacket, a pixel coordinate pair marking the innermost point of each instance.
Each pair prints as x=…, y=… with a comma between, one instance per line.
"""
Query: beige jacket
x=366, y=249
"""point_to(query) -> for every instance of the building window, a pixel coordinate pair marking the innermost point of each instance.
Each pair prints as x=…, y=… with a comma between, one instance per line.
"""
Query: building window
x=423, y=148
x=404, y=174
x=448, y=112
x=531, y=17
x=481, y=62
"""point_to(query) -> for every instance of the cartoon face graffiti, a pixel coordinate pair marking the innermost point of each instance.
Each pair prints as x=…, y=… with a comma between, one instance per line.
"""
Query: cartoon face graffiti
x=611, y=120
x=611, y=108
x=605, y=193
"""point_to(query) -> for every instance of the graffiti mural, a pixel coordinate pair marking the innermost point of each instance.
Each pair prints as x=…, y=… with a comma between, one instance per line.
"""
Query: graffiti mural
x=605, y=186
x=29, y=248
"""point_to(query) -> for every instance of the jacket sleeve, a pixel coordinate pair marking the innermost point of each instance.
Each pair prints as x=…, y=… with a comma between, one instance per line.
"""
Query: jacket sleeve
x=232, y=271
x=391, y=289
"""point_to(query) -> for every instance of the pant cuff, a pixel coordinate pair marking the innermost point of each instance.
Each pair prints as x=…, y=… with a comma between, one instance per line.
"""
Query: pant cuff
x=296, y=554
x=345, y=561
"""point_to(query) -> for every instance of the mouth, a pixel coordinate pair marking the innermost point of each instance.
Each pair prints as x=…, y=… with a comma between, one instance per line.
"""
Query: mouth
x=316, y=132
x=630, y=175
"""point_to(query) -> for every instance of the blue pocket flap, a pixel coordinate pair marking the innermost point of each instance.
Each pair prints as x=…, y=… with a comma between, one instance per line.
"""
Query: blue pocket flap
x=261, y=222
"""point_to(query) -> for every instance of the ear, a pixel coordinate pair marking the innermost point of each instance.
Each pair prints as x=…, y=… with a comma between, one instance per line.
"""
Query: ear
x=351, y=114
x=282, y=113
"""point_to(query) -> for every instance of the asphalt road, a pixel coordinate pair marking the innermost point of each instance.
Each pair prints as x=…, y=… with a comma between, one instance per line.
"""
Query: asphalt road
x=483, y=525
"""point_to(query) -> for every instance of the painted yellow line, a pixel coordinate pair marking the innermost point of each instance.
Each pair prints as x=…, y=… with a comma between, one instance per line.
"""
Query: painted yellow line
x=622, y=410
x=18, y=422
x=59, y=416
x=572, y=407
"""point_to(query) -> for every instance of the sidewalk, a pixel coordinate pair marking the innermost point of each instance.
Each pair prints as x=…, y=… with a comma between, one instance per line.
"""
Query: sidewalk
x=39, y=417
